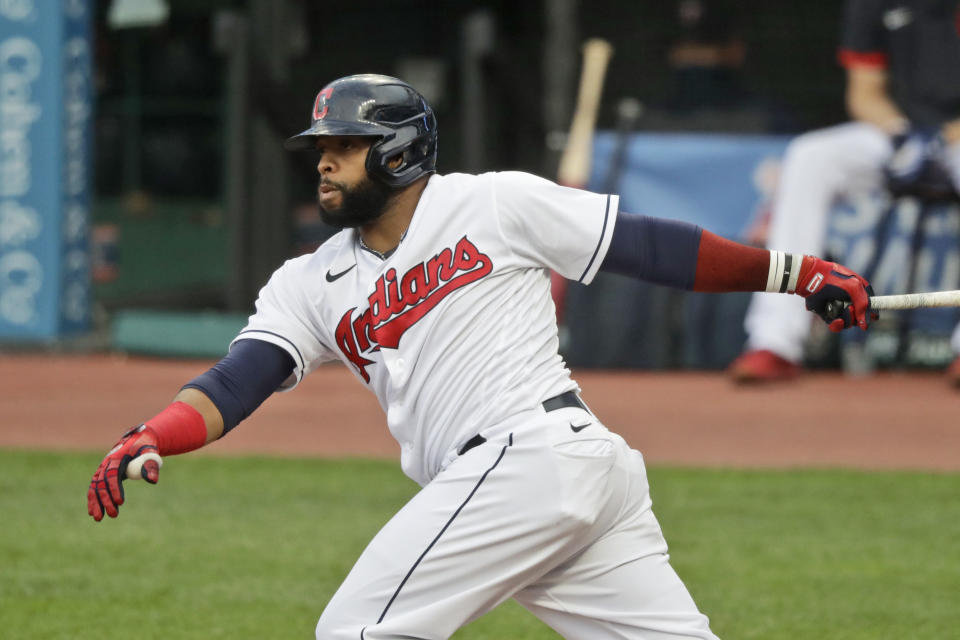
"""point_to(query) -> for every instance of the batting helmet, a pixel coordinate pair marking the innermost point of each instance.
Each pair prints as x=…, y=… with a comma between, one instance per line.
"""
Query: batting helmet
x=382, y=107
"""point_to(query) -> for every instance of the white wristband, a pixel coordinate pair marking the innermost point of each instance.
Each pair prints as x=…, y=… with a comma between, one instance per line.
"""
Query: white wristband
x=775, y=272
x=784, y=271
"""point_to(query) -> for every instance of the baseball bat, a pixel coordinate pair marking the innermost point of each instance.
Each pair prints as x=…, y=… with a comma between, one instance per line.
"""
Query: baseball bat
x=903, y=301
x=916, y=300
x=574, y=168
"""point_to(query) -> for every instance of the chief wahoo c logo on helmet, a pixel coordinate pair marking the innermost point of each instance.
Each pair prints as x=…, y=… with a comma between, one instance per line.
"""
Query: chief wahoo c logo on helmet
x=322, y=97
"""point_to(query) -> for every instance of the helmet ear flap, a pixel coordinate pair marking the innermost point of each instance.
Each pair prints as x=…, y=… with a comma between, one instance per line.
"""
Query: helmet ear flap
x=418, y=152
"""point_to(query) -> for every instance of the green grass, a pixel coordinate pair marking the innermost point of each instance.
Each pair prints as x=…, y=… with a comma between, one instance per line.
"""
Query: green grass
x=253, y=548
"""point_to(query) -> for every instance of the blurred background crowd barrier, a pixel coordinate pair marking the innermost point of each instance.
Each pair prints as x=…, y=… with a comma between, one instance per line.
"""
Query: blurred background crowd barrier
x=725, y=183
x=146, y=196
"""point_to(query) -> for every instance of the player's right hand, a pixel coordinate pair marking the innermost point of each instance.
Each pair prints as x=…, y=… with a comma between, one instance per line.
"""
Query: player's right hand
x=824, y=284
x=105, y=494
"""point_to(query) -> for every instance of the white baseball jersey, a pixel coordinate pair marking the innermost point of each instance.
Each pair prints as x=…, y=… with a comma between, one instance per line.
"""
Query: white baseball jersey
x=455, y=331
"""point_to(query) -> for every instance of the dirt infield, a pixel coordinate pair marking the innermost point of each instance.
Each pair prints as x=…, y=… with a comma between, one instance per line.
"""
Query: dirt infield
x=886, y=421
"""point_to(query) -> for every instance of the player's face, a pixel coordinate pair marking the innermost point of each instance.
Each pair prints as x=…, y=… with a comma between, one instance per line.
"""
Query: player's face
x=346, y=194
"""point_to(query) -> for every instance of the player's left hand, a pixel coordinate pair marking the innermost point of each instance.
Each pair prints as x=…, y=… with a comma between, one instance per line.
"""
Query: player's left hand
x=824, y=284
x=105, y=494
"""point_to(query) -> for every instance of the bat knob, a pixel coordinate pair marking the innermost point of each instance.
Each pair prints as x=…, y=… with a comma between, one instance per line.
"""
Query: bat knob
x=833, y=310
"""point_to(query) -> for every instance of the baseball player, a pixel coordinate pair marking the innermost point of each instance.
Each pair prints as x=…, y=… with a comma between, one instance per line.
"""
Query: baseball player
x=436, y=296
x=903, y=91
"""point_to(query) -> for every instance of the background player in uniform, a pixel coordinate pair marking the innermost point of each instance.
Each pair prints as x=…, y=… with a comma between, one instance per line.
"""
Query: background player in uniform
x=436, y=295
x=903, y=91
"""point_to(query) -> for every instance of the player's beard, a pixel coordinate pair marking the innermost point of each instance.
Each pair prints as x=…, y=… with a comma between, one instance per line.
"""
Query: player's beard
x=360, y=204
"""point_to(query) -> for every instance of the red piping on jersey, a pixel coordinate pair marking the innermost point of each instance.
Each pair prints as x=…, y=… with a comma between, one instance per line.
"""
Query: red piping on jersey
x=869, y=59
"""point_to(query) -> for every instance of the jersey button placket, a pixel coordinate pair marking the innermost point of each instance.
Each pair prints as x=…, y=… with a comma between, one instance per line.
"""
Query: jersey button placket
x=396, y=366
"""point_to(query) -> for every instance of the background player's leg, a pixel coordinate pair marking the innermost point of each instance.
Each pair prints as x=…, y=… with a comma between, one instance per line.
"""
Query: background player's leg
x=954, y=371
x=818, y=167
x=497, y=519
x=622, y=586
x=951, y=159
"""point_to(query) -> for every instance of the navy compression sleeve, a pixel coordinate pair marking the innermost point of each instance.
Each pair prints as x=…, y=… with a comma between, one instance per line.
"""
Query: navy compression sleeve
x=246, y=377
x=654, y=249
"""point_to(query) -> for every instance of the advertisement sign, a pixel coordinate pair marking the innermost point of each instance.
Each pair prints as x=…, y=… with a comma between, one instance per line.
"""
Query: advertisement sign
x=713, y=180
x=46, y=106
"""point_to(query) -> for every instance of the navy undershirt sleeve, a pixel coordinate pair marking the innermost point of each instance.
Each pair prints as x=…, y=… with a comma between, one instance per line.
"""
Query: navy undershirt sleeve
x=654, y=249
x=246, y=377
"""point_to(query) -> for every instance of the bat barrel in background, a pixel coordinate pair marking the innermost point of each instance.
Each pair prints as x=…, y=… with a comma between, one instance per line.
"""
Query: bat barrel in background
x=574, y=169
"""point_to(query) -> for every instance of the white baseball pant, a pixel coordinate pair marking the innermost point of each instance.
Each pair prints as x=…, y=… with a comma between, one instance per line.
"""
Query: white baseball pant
x=557, y=519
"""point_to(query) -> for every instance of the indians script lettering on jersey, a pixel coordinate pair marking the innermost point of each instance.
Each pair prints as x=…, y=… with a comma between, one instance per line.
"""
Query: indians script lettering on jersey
x=398, y=303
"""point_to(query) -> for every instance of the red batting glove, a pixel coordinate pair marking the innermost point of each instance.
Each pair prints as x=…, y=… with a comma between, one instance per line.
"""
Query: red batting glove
x=106, y=487
x=827, y=286
x=177, y=429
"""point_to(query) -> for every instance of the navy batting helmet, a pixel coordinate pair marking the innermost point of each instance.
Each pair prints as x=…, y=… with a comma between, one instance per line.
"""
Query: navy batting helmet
x=382, y=107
